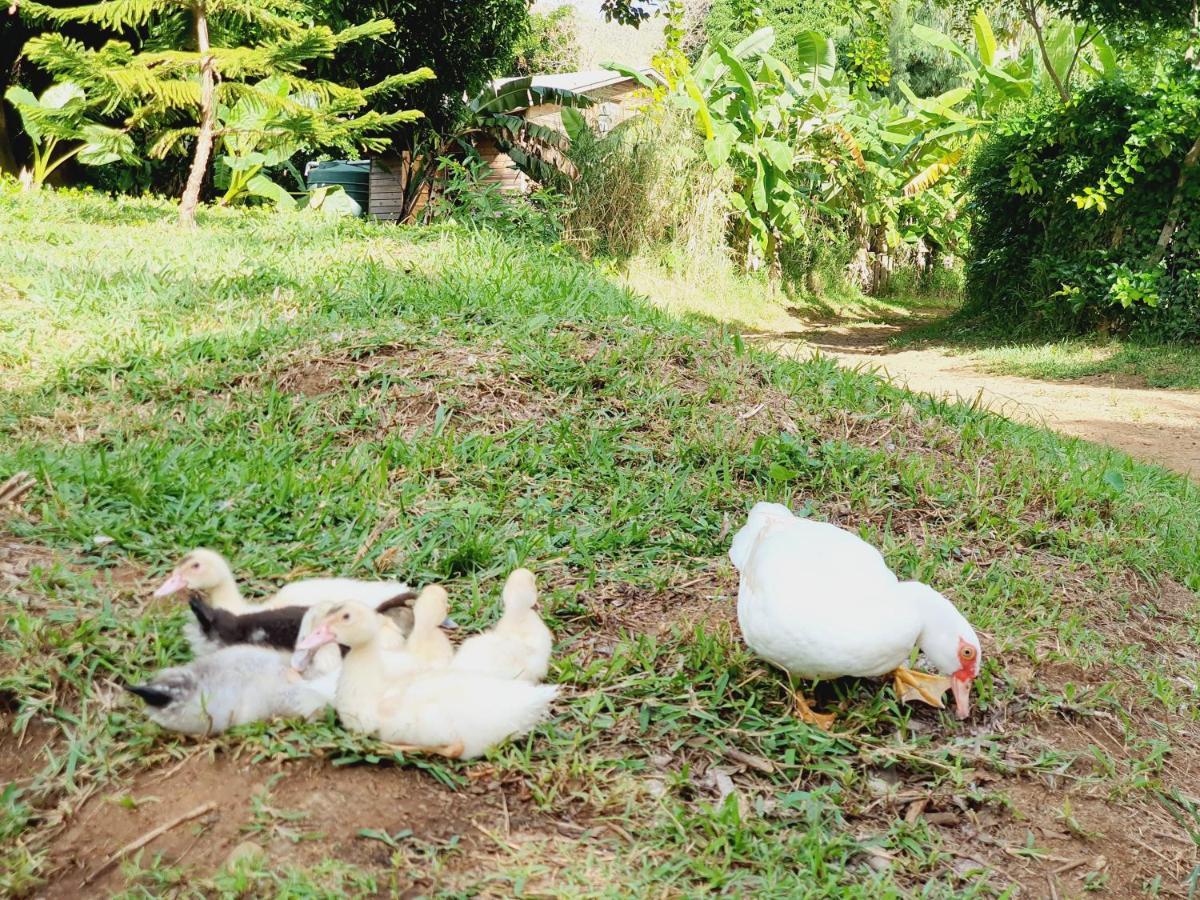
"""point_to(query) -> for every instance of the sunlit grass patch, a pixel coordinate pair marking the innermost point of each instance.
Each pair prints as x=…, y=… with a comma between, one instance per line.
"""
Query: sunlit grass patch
x=338, y=397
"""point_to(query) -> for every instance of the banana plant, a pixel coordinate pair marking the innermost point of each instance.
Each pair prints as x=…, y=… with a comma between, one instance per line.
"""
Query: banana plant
x=771, y=125
x=991, y=83
x=58, y=118
x=1071, y=47
x=537, y=150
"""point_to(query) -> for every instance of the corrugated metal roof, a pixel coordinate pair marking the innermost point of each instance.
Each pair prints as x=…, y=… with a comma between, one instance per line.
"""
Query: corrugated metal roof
x=582, y=82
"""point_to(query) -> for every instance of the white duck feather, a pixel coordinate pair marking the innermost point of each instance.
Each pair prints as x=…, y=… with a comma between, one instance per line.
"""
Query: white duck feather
x=519, y=645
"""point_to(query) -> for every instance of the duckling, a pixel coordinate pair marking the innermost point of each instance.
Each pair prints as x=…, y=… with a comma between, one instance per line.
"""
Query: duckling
x=427, y=642
x=232, y=686
x=308, y=591
x=207, y=572
x=317, y=661
x=216, y=628
x=518, y=646
x=393, y=696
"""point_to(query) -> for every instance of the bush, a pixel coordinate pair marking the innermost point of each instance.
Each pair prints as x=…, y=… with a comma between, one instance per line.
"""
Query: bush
x=645, y=184
x=1067, y=207
x=469, y=196
x=551, y=44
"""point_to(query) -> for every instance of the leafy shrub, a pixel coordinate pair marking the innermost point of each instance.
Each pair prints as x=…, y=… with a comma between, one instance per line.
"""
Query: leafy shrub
x=1068, y=204
x=551, y=43
x=815, y=262
x=468, y=196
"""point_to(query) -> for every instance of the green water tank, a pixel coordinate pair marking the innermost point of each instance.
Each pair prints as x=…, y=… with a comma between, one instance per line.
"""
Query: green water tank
x=354, y=177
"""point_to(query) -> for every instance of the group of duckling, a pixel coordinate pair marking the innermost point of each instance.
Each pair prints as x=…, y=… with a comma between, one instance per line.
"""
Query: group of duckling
x=374, y=650
x=814, y=599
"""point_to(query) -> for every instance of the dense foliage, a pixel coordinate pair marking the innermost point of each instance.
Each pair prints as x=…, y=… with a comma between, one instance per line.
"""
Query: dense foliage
x=465, y=44
x=15, y=30
x=1130, y=13
x=209, y=56
x=815, y=153
x=1085, y=216
x=875, y=40
x=551, y=44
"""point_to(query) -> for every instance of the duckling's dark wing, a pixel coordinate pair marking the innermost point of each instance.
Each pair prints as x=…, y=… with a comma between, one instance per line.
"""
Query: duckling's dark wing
x=206, y=618
x=166, y=687
x=399, y=610
x=278, y=628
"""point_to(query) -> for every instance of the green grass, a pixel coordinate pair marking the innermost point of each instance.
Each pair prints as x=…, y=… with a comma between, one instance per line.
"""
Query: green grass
x=713, y=290
x=438, y=404
x=1155, y=365
x=1066, y=359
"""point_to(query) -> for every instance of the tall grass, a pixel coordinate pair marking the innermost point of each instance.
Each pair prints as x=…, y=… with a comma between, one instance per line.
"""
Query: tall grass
x=645, y=187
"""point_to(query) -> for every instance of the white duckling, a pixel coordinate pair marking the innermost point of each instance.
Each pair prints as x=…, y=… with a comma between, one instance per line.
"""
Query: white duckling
x=519, y=645
x=232, y=686
x=207, y=572
x=327, y=659
x=427, y=643
x=819, y=602
x=394, y=697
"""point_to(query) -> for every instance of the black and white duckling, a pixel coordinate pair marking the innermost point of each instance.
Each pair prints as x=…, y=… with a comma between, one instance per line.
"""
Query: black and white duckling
x=205, y=572
x=392, y=695
x=517, y=646
x=232, y=686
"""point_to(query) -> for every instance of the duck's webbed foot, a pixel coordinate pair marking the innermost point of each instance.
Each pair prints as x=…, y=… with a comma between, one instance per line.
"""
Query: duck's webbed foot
x=450, y=751
x=805, y=713
x=921, y=686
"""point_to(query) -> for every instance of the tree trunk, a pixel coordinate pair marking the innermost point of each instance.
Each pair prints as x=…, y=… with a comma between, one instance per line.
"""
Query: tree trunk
x=1029, y=11
x=774, y=261
x=1168, y=230
x=8, y=163
x=208, y=115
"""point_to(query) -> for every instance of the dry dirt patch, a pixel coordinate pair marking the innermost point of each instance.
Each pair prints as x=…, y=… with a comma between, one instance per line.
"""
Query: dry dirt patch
x=1157, y=426
x=300, y=814
x=408, y=385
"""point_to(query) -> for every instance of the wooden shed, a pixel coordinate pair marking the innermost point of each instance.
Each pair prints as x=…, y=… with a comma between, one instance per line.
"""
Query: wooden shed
x=615, y=98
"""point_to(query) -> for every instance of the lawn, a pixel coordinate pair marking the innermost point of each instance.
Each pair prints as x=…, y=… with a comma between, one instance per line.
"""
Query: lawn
x=1123, y=362
x=437, y=404
x=1107, y=360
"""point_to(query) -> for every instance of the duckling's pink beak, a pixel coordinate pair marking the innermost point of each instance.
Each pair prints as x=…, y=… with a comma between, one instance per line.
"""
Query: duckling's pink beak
x=318, y=637
x=172, y=585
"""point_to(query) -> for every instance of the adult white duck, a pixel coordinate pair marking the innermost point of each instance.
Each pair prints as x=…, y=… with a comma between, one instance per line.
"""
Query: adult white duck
x=820, y=602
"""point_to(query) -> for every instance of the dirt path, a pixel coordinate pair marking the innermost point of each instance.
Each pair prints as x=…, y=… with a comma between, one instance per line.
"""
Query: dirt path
x=1157, y=426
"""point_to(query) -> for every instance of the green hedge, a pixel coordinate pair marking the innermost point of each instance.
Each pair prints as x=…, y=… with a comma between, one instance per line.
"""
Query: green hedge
x=1068, y=204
